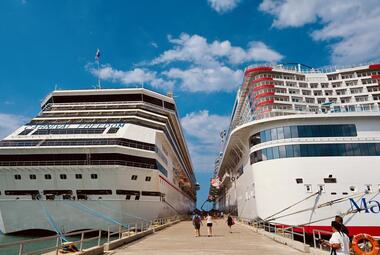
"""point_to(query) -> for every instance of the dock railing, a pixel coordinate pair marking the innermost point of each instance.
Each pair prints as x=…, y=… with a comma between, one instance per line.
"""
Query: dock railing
x=87, y=238
x=317, y=236
x=286, y=231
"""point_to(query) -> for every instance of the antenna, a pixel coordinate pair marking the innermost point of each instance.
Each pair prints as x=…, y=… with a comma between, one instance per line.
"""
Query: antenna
x=97, y=59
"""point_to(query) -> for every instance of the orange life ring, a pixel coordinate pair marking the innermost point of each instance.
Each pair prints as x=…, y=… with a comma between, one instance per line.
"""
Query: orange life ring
x=365, y=237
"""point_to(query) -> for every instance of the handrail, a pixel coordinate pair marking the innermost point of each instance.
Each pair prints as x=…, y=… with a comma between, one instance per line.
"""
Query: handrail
x=112, y=230
x=319, y=232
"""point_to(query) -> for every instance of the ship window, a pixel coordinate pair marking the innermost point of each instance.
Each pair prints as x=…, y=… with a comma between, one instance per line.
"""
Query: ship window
x=353, y=188
x=94, y=176
x=32, y=177
x=333, y=193
x=127, y=192
x=112, y=130
x=344, y=193
x=78, y=176
x=128, y=197
x=368, y=188
x=137, y=197
x=308, y=188
x=299, y=180
x=151, y=193
x=94, y=192
x=322, y=188
x=47, y=176
x=148, y=178
x=329, y=180
x=63, y=176
x=134, y=177
x=17, y=177
x=26, y=132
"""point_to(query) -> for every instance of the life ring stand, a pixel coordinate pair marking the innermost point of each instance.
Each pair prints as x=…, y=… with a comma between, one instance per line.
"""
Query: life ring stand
x=365, y=237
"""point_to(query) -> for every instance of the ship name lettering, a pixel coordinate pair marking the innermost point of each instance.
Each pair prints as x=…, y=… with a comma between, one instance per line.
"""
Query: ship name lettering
x=372, y=206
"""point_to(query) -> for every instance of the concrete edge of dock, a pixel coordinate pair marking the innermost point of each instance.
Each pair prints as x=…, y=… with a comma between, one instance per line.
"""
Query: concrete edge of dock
x=125, y=239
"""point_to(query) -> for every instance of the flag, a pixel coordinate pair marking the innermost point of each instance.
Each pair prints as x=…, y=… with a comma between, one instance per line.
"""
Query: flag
x=97, y=54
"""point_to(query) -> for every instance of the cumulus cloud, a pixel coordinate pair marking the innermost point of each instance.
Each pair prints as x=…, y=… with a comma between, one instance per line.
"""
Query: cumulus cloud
x=194, y=64
x=135, y=76
x=196, y=49
x=223, y=6
x=198, y=79
x=9, y=123
x=350, y=27
x=202, y=130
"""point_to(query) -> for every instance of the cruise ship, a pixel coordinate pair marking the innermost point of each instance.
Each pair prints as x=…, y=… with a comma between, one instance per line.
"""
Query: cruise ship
x=303, y=145
x=96, y=158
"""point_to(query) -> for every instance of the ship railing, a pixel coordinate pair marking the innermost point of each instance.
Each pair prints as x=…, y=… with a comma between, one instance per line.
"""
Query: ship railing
x=287, y=231
x=82, y=240
x=318, y=237
x=77, y=162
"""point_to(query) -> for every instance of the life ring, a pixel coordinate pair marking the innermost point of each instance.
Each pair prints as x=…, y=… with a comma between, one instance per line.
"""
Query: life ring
x=365, y=237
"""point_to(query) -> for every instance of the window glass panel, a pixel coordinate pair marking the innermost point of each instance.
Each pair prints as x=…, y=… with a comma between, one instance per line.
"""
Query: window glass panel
x=282, y=151
x=280, y=133
x=264, y=154
x=356, y=149
x=270, y=153
x=371, y=149
x=274, y=133
x=308, y=131
x=315, y=131
x=364, y=149
x=301, y=131
x=378, y=149
x=349, y=151
x=296, y=150
x=304, y=150
x=294, y=131
x=287, y=133
x=341, y=149
x=263, y=137
x=289, y=151
x=276, y=152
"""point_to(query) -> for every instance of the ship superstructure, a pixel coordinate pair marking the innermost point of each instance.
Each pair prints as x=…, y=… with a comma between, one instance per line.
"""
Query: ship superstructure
x=303, y=146
x=93, y=158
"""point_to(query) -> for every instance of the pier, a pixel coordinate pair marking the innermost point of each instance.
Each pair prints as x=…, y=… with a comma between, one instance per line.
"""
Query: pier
x=179, y=239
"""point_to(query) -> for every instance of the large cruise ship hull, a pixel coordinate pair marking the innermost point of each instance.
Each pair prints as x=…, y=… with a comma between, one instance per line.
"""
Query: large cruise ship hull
x=69, y=216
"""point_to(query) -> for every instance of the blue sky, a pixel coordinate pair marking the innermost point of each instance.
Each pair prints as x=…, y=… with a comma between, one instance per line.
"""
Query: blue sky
x=196, y=48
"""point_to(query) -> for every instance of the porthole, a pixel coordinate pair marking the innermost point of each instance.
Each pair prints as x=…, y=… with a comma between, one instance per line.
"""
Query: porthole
x=94, y=176
x=299, y=180
x=63, y=176
x=321, y=188
x=78, y=176
x=32, y=177
x=308, y=188
x=48, y=176
x=137, y=197
x=352, y=188
x=134, y=177
x=17, y=177
x=368, y=188
x=148, y=178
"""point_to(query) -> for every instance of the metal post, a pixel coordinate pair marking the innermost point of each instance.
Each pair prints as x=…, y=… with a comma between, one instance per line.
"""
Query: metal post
x=319, y=234
x=315, y=243
x=57, y=245
x=119, y=231
x=21, y=249
x=99, y=236
x=81, y=241
x=136, y=228
x=292, y=233
x=304, y=235
x=108, y=235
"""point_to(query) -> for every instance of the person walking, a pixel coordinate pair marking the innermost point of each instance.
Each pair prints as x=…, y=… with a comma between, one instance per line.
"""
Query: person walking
x=197, y=222
x=209, y=224
x=230, y=222
x=339, y=242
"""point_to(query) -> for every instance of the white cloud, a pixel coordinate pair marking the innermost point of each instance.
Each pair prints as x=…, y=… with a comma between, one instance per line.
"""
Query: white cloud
x=223, y=6
x=196, y=49
x=9, y=123
x=213, y=79
x=202, y=130
x=349, y=26
x=135, y=76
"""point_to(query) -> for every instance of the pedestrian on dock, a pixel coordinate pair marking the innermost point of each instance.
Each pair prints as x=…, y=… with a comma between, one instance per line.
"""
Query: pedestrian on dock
x=339, y=242
x=230, y=222
x=209, y=224
x=339, y=219
x=197, y=222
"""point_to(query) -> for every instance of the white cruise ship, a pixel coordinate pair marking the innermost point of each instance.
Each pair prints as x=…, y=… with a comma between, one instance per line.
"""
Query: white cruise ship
x=95, y=158
x=303, y=146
